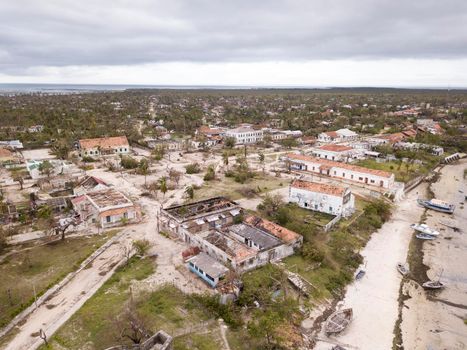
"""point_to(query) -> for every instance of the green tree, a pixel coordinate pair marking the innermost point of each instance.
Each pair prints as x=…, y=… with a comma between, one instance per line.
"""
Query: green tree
x=190, y=192
x=143, y=169
x=261, y=160
x=210, y=174
x=163, y=185
x=46, y=168
x=229, y=142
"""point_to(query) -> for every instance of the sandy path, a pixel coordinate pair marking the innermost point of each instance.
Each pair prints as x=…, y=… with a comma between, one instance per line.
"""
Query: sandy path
x=374, y=298
x=438, y=324
x=63, y=304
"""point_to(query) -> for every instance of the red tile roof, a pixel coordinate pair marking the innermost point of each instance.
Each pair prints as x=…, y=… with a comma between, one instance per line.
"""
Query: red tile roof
x=335, y=148
x=104, y=142
x=332, y=134
x=330, y=163
x=319, y=187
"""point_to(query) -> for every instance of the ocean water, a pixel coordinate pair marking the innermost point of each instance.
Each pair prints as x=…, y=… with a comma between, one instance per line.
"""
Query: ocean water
x=76, y=88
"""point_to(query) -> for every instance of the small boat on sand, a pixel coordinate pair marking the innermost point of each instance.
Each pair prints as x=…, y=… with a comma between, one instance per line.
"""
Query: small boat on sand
x=337, y=347
x=338, y=321
x=433, y=285
x=359, y=275
x=425, y=237
x=424, y=228
x=437, y=205
x=402, y=269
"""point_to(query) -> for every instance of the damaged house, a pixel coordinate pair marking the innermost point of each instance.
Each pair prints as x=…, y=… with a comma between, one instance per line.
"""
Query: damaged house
x=107, y=207
x=218, y=228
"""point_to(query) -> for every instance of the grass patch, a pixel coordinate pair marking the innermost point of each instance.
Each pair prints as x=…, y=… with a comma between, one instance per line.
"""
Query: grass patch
x=41, y=267
x=403, y=171
x=227, y=186
x=209, y=341
x=167, y=308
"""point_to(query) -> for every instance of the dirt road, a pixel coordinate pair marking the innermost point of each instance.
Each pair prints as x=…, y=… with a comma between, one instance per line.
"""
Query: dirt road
x=65, y=302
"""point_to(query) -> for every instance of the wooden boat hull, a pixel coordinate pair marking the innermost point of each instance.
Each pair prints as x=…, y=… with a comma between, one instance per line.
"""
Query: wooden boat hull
x=338, y=321
x=433, y=285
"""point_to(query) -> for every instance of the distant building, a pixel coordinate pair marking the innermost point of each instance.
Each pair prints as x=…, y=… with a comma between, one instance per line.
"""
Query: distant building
x=341, y=135
x=325, y=198
x=245, y=135
x=378, y=178
x=13, y=144
x=103, y=146
x=36, y=128
x=107, y=207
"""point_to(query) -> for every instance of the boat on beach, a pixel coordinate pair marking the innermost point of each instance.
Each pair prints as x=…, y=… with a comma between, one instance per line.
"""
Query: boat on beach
x=403, y=270
x=438, y=205
x=359, y=275
x=338, y=321
x=424, y=228
x=425, y=237
x=433, y=285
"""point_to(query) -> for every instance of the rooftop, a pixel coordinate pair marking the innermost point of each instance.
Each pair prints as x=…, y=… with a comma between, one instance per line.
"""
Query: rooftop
x=103, y=142
x=209, y=265
x=236, y=250
x=330, y=164
x=335, y=148
x=108, y=198
x=319, y=187
x=262, y=239
x=191, y=210
x=284, y=234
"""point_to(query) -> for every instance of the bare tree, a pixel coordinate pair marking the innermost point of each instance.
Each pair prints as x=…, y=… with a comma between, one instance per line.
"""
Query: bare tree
x=131, y=324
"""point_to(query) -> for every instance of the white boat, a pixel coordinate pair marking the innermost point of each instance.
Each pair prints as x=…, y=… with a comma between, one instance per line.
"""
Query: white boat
x=433, y=285
x=424, y=228
x=437, y=205
x=402, y=269
x=425, y=236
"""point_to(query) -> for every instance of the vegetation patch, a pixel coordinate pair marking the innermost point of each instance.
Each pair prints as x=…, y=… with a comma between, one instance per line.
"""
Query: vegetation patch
x=39, y=268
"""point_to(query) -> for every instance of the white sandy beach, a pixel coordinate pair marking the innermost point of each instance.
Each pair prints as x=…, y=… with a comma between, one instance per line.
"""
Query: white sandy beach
x=374, y=298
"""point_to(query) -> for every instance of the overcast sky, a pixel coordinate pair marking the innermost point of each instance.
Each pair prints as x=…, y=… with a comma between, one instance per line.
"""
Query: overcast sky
x=237, y=42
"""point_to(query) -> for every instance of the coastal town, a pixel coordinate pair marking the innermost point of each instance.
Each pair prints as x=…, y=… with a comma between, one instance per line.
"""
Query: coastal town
x=233, y=219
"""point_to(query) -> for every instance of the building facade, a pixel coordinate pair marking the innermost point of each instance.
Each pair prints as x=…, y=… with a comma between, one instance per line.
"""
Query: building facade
x=244, y=135
x=372, y=177
x=325, y=198
x=103, y=146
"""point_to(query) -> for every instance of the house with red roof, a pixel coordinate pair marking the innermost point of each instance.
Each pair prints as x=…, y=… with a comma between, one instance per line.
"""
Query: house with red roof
x=345, y=171
x=103, y=146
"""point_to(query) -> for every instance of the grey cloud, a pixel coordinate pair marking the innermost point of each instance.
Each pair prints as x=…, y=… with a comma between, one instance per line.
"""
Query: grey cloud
x=118, y=32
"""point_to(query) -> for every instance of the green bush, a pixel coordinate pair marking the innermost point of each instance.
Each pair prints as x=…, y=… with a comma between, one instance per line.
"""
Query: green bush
x=128, y=162
x=192, y=168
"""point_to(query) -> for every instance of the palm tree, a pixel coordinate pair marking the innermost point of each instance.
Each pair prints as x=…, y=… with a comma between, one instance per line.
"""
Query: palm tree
x=261, y=160
x=190, y=192
x=163, y=185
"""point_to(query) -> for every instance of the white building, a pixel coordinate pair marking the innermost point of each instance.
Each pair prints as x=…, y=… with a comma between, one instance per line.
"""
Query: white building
x=372, y=177
x=341, y=135
x=338, y=153
x=104, y=146
x=325, y=198
x=243, y=135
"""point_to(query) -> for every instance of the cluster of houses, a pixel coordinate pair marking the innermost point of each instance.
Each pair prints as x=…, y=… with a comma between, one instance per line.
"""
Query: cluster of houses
x=226, y=237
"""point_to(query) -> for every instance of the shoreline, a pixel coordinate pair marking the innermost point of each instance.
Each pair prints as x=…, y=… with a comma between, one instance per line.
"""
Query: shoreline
x=435, y=319
x=377, y=293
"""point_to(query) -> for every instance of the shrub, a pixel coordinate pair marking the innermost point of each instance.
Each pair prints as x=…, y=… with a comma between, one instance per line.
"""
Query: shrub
x=192, y=168
x=128, y=162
